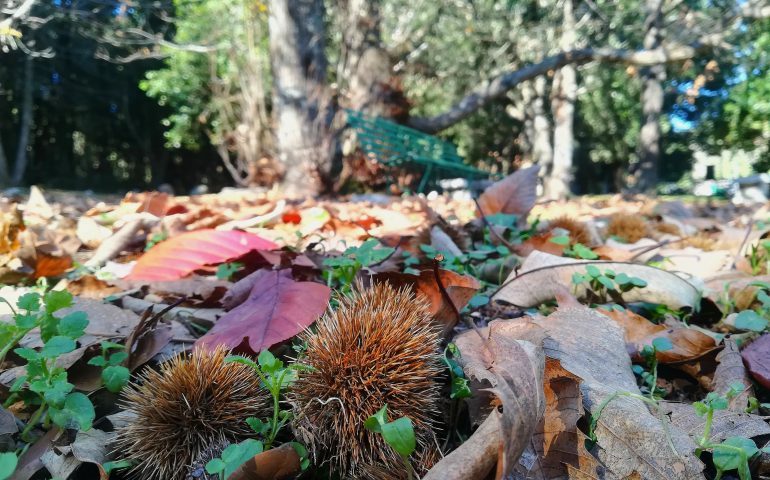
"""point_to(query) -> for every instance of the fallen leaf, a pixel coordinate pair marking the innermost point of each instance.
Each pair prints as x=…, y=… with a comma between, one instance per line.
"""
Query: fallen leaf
x=7, y=422
x=726, y=423
x=277, y=309
x=504, y=361
x=443, y=242
x=92, y=446
x=694, y=261
x=49, y=266
x=515, y=194
x=88, y=286
x=459, y=288
x=730, y=371
x=91, y=233
x=58, y=464
x=559, y=445
x=475, y=458
x=31, y=460
x=755, y=357
x=630, y=439
x=181, y=255
x=687, y=343
x=536, y=281
x=278, y=463
x=541, y=242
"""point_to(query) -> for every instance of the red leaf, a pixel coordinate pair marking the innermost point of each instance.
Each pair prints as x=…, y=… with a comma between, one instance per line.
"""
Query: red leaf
x=277, y=309
x=755, y=357
x=185, y=253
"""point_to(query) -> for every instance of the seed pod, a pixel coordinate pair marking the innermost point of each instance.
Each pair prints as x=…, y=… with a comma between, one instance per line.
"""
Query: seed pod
x=192, y=404
x=377, y=348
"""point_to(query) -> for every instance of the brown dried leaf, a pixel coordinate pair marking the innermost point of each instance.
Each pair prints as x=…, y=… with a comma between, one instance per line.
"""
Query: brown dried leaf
x=475, y=458
x=731, y=370
x=515, y=194
x=630, y=438
x=688, y=343
x=536, y=281
x=460, y=289
x=510, y=361
x=558, y=443
x=275, y=464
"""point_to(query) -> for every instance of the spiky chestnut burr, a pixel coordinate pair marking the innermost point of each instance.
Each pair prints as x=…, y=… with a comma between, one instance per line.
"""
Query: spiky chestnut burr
x=629, y=228
x=190, y=405
x=377, y=348
x=578, y=232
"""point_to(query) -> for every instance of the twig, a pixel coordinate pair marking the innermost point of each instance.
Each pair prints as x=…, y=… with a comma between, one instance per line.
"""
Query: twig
x=505, y=242
x=743, y=244
x=649, y=248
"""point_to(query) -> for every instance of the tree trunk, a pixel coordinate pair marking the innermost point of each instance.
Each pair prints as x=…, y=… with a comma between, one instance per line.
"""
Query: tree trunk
x=299, y=71
x=365, y=63
x=20, y=167
x=559, y=180
x=3, y=165
x=536, y=122
x=646, y=171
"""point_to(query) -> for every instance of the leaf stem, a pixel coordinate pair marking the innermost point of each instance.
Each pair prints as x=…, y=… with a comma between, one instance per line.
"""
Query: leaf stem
x=33, y=421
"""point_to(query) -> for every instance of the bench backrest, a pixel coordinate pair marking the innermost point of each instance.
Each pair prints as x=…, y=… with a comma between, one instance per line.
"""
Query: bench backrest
x=390, y=142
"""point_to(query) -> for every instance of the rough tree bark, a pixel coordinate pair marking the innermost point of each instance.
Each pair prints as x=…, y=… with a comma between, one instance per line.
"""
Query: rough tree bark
x=3, y=165
x=646, y=171
x=299, y=70
x=365, y=64
x=20, y=166
x=558, y=180
x=536, y=123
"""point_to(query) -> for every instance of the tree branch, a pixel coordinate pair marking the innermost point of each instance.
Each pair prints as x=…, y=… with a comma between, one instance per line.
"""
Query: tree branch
x=498, y=86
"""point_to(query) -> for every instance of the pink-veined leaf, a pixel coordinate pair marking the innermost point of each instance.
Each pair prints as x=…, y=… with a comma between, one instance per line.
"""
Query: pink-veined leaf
x=277, y=309
x=181, y=255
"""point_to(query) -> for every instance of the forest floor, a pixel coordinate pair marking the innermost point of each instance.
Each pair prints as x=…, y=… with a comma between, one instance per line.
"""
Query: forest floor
x=383, y=337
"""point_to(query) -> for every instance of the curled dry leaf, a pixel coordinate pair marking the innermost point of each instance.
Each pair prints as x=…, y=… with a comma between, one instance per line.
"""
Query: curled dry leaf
x=558, y=443
x=475, y=458
x=536, y=281
x=515, y=194
x=277, y=309
x=509, y=362
x=460, y=289
x=630, y=439
x=755, y=357
x=730, y=371
x=275, y=464
x=687, y=343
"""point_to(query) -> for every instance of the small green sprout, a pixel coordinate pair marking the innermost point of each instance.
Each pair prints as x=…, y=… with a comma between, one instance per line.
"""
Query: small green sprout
x=399, y=434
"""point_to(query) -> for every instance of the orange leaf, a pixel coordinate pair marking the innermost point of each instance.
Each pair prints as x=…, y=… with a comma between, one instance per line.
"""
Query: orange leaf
x=515, y=194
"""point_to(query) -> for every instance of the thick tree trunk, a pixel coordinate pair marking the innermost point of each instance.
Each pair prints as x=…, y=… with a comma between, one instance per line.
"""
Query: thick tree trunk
x=20, y=167
x=537, y=125
x=646, y=171
x=559, y=180
x=3, y=165
x=299, y=71
x=365, y=63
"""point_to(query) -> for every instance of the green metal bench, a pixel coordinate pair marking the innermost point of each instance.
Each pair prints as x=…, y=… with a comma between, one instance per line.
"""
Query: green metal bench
x=398, y=146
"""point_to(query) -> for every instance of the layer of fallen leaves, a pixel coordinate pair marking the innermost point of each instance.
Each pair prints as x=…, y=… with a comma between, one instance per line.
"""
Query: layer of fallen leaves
x=162, y=274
